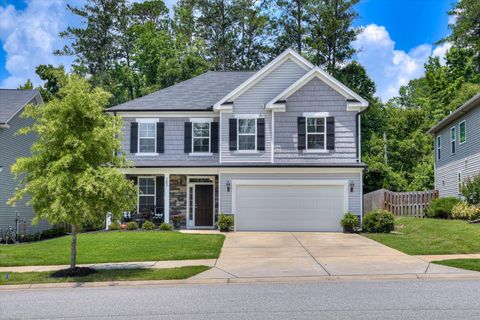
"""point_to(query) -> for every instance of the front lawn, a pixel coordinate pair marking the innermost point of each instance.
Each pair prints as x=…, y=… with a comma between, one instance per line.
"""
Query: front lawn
x=418, y=236
x=469, y=264
x=105, y=275
x=114, y=246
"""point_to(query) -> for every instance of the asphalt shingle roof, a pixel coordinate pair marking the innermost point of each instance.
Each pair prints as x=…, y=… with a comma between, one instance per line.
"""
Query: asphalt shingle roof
x=198, y=93
x=12, y=101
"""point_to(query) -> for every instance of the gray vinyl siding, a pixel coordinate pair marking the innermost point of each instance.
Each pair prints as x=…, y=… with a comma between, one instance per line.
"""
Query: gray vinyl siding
x=354, y=198
x=466, y=158
x=315, y=96
x=12, y=147
x=173, y=148
x=253, y=102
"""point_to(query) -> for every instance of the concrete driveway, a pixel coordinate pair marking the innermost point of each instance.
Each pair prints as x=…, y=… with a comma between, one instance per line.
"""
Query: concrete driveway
x=301, y=254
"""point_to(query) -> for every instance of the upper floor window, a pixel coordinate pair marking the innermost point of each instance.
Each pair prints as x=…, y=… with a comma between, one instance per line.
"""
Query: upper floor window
x=146, y=193
x=463, y=131
x=247, y=134
x=201, y=137
x=146, y=137
x=453, y=140
x=316, y=136
x=439, y=147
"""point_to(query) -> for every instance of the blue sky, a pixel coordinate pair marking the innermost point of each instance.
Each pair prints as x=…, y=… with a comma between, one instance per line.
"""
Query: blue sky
x=398, y=37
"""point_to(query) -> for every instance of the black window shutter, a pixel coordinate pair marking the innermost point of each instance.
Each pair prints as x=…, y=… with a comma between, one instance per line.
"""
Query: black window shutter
x=159, y=191
x=214, y=137
x=134, y=137
x=261, y=134
x=160, y=137
x=330, y=133
x=301, y=133
x=188, y=137
x=232, y=129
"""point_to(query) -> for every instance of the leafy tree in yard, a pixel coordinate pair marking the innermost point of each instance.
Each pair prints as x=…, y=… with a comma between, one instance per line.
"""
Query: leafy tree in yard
x=72, y=173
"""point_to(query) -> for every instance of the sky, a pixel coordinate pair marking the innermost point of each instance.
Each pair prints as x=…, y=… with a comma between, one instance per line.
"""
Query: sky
x=396, y=40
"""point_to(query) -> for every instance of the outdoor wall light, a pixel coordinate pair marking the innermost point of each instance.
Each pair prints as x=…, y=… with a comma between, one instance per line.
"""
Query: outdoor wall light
x=352, y=185
x=229, y=185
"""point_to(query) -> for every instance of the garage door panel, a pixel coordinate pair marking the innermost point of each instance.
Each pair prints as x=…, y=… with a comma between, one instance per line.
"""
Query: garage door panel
x=289, y=207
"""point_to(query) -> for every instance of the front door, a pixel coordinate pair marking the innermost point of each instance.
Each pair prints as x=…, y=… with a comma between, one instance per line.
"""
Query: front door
x=203, y=205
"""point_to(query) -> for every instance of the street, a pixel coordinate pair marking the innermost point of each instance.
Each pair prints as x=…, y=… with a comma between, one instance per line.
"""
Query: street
x=327, y=300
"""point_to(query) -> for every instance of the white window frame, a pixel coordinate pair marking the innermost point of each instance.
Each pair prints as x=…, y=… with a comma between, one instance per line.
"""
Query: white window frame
x=148, y=195
x=254, y=150
x=316, y=133
x=464, y=122
x=439, y=147
x=199, y=153
x=453, y=140
x=147, y=121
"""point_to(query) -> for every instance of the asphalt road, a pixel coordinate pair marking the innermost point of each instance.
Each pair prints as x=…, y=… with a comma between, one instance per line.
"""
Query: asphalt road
x=321, y=300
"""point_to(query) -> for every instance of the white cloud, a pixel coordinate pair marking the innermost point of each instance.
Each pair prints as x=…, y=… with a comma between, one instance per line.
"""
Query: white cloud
x=388, y=67
x=29, y=37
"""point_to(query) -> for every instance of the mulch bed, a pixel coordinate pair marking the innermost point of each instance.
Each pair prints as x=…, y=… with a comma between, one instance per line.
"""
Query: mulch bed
x=75, y=272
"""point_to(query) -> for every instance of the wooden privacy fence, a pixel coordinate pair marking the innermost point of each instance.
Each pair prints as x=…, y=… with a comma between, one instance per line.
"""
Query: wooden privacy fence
x=399, y=203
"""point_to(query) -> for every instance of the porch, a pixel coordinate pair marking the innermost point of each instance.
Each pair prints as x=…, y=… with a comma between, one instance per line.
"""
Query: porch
x=189, y=201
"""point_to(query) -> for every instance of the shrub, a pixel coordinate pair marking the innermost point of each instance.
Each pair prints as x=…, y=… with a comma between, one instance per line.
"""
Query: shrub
x=132, y=225
x=441, y=208
x=166, y=227
x=471, y=190
x=378, y=221
x=225, y=222
x=148, y=225
x=349, y=222
x=114, y=226
x=53, y=233
x=465, y=211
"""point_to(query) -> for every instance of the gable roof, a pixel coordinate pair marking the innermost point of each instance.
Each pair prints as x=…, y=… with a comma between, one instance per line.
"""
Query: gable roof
x=354, y=101
x=262, y=73
x=196, y=94
x=462, y=110
x=13, y=101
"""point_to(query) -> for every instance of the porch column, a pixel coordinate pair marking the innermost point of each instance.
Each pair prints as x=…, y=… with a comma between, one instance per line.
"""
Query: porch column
x=166, y=197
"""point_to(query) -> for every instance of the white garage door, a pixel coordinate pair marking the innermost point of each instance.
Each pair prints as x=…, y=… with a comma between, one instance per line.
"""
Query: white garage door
x=289, y=207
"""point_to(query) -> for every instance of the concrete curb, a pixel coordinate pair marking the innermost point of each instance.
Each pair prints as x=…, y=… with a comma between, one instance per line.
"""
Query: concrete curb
x=393, y=277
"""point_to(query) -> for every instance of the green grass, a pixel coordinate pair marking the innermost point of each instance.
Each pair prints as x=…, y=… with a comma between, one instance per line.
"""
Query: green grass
x=105, y=275
x=115, y=246
x=417, y=236
x=469, y=264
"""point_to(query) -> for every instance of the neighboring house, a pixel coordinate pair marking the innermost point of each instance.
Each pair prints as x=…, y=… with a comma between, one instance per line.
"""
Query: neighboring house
x=278, y=148
x=457, y=148
x=12, y=102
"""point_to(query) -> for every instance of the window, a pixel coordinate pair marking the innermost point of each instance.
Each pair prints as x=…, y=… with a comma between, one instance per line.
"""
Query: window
x=463, y=131
x=316, y=137
x=453, y=139
x=146, y=137
x=247, y=134
x=439, y=147
x=201, y=137
x=146, y=193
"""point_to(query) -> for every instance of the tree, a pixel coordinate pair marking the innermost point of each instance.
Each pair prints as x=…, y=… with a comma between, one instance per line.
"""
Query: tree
x=54, y=78
x=28, y=85
x=72, y=174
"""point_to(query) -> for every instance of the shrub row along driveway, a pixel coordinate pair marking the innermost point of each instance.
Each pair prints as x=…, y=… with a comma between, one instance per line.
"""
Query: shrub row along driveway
x=297, y=254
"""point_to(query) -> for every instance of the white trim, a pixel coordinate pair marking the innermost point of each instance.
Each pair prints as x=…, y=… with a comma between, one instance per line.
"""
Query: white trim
x=191, y=224
x=254, y=150
x=220, y=136
x=273, y=182
x=201, y=120
x=359, y=142
x=454, y=140
x=247, y=116
x=327, y=79
x=361, y=199
x=200, y=154
x=147, y=120
x=4, y=126
x=262, y=73
x=148, y=195
x=160, y=114
x=460, y=132
x=209, y=140
x=316, y=114
x=147, y=154
x=316, y=150
x=272, y=142
x=279, y=107
x=227, y=170
x=166, y=197
x=439, y=147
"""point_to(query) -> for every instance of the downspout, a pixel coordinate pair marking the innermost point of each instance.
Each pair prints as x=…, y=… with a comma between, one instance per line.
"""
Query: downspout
x=359, y=156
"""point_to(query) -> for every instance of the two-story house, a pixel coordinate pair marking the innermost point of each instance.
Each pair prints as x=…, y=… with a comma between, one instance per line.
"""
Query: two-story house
x=278, y=148
x=457, y=148
x=12, y=103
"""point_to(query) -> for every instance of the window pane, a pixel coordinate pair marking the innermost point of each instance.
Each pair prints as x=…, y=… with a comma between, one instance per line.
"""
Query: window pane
x=201, y=145
x=315, y=125
x=452, y=134
x=146, y=202
x=316, y=141
x=147, y=145
x=146, y=130
x=146, y=186
x=201, y=129
x=246, y=125
x=462, y=132
x=246, y=142
x=453, y=147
